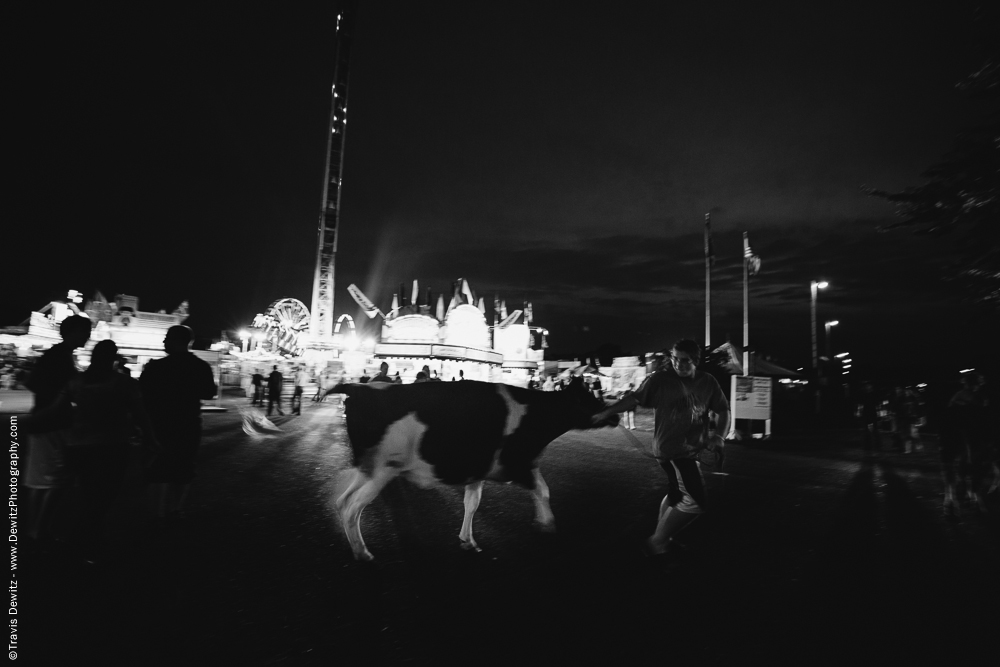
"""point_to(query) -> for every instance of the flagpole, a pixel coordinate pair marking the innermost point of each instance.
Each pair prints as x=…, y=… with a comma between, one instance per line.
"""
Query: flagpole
x=746, y=305
x=708, y=282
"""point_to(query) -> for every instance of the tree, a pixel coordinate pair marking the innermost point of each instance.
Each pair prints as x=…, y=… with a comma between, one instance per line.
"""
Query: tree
x=961, y=198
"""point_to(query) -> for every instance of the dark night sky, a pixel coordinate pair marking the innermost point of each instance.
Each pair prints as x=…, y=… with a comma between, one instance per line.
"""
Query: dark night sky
x=560, y=153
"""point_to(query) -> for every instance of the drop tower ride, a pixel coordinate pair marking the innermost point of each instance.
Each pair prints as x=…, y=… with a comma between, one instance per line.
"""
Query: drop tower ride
x=322, y=317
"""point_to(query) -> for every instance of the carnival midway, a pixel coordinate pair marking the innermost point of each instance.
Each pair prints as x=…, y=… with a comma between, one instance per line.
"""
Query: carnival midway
x=453, y=340
x=449, y=338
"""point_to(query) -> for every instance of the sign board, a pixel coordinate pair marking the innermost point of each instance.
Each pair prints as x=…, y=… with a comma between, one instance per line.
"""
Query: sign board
x=402, y=350
x=751, y=397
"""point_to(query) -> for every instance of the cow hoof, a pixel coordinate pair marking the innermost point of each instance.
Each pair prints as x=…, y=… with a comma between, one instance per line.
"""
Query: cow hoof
x=364, y=557
x=545, y=527
x=471, y=546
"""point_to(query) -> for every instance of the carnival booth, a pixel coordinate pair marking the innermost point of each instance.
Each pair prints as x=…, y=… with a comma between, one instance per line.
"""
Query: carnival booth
x=458, y=347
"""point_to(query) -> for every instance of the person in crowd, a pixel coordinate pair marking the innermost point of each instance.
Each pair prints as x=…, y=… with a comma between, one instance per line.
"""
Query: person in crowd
x=365, y=379
x=421, y=377
x=257, y=381
x=629, y=421
x=301, y=380
x=915, y=413
x=548, y=385
x=965, y=441
x=868, y=410
x=682, y=401
x=461, y=375
x=320, y=387
x=899, y=408
x=107, y=408
x=383, y=374
x=275, y=382
x=172, y=390
x=48, y=476
x=435, y=377
x=597, y=387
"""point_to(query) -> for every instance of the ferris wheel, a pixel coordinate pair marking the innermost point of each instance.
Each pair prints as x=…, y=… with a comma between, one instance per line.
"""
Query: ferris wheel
x=285, y=324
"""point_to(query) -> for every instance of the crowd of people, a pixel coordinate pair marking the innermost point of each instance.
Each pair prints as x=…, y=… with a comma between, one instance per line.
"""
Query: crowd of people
x=85, y=426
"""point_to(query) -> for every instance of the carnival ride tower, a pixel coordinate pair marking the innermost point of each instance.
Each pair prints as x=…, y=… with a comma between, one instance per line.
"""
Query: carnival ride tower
x=322, y=317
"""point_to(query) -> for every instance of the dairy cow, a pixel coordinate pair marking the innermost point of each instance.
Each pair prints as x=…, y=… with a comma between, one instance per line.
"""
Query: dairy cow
x=455, y=433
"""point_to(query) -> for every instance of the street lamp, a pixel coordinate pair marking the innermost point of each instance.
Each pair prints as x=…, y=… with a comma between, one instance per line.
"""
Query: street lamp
x=829, y=324
x=814, y=288
x=245, y=339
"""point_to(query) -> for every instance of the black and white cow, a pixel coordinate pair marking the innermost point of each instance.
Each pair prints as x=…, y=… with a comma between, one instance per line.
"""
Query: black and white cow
x=455, y=433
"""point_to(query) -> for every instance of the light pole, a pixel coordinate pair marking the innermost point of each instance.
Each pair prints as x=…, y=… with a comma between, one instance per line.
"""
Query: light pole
x=814, y=288
x=829, y=325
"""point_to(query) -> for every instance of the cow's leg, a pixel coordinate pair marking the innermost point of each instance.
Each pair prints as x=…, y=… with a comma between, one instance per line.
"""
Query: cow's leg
x=351, y=516
x=357, y=480
x=473, y=494
x=546, y=520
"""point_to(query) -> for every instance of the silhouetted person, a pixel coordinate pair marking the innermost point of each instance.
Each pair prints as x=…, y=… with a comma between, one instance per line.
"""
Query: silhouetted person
x=682, y=401
x=301, y=380
x=597, y=388
x=899, y=409
x=965, y=441
x=107, y=409
x=172, y=390
x=257, y=381
x=629, y=421
x=869, y=417
x=47, y=474
x=383, y=374
x=275, y=381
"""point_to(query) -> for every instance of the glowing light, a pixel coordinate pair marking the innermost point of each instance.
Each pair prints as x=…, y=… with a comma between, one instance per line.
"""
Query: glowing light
x=785, y=381
x=822, y=284
x=967, y=370
x=839, y=356
x=921, y=385
x=832, y=323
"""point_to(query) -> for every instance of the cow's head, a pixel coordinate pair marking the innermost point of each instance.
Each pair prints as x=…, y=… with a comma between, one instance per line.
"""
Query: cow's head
x=587, y=405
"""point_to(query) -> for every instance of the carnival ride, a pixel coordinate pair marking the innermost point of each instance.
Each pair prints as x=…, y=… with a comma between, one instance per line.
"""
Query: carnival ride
x=285, y=326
